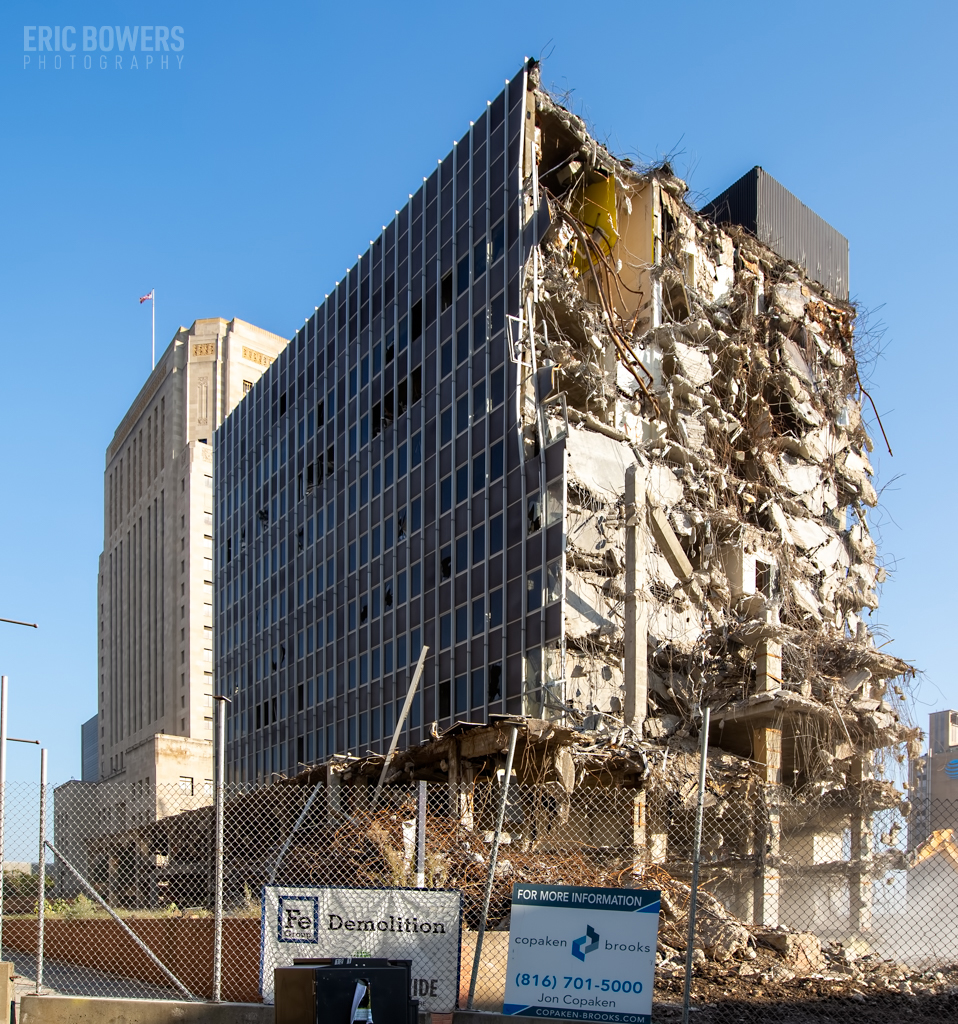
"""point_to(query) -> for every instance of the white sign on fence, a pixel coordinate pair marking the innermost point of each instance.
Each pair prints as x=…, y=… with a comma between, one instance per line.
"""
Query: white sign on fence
x=421, y=925
x=582, y=954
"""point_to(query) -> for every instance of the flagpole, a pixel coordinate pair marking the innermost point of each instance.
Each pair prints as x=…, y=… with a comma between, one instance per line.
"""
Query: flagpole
x=153, y=308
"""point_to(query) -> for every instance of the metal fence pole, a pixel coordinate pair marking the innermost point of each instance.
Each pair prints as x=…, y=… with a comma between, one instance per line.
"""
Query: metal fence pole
x=493, y=857
x=221, y=703
x=421, y=836
x=284, y=849
x=42, y=868
x=407, y=704
x=3, y=787
x=119, y=920
x=696, y=852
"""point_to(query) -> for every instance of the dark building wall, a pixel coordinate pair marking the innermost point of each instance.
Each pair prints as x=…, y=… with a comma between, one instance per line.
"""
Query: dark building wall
x=370, y=495
x=784, y=223
x=90, y=750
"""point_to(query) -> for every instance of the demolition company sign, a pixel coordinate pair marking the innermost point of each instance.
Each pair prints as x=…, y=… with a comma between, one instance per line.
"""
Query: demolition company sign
x=581, y=953
x=421, y=925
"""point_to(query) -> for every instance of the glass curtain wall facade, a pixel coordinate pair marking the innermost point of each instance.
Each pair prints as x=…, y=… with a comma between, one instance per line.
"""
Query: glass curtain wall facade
x=371, y=489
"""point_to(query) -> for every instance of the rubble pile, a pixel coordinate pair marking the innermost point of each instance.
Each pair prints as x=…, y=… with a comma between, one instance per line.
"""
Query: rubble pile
x=767, y=987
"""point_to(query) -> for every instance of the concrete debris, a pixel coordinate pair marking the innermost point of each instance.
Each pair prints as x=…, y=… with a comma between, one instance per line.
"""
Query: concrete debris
x=802, y=951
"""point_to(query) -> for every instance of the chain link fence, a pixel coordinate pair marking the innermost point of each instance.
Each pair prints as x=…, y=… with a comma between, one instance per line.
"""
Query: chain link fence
x=808, y=908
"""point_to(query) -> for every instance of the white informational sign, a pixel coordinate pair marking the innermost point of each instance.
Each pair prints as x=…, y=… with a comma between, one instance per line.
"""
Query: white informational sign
x=582, y=954
x=421, y=925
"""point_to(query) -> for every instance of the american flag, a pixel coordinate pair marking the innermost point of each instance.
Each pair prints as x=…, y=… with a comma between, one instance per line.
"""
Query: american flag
x=145, y=298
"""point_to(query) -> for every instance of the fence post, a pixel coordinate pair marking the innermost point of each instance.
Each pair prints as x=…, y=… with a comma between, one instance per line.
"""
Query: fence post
x=119, y=920
x=421, y=837
x=42, y=868
x=3, y=786
x=493, y=857
x=221, y=703
x=696, y=853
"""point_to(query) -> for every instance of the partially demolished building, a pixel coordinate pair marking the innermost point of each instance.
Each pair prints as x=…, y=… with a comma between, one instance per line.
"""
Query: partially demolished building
x=604, y=455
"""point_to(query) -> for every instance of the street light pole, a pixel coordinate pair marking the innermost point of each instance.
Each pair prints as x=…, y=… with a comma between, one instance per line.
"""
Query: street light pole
x=3, y=789
x=3, y=767
x=43, y=810
x=42, y=868
x=219, y=800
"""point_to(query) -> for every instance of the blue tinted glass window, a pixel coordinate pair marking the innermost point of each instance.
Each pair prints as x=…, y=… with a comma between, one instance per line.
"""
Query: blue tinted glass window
x=478, y=544
x=495, y=535
x=495, y=461
x=478, y=615
x=495, y=607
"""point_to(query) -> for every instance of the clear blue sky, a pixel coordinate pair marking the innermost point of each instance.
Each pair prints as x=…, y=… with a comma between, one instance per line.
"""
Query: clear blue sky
x=244, y=182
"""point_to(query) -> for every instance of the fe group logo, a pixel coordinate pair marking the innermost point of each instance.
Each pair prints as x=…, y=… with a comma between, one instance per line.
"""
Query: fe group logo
x=298, y=919
x=579, y=949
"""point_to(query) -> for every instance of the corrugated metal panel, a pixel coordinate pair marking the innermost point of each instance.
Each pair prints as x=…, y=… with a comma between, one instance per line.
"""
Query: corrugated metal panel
x=784, y=223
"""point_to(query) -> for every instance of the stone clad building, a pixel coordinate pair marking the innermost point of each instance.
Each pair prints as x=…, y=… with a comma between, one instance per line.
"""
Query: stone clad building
x=155, y=587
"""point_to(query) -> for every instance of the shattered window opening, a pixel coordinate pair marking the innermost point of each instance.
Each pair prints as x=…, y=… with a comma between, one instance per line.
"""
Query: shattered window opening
x=494, y=691
x=555, y=501
x=534, y=515
x=554, y=581
x=534, y=590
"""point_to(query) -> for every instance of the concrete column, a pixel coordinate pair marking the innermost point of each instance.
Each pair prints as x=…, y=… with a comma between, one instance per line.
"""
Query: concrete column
x=636, y=610
x=862, y=850
x=640, y=850
x=334, y=795
x=767, y=746
x=656, y=828
x=460, y=790
x=768, y=666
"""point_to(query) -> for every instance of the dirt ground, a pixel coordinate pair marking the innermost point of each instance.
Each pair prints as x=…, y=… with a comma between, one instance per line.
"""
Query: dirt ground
x=761, y=991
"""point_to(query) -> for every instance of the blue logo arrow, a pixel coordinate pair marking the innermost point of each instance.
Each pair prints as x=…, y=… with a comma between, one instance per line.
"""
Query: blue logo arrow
x=592, y=937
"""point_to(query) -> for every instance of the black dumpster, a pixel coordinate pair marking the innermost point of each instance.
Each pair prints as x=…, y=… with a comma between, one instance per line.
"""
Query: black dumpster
x=343, y=990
